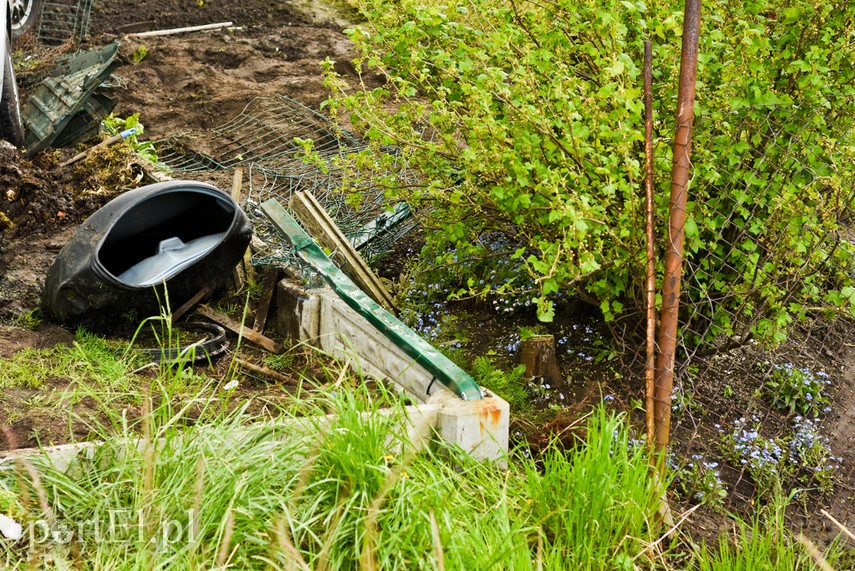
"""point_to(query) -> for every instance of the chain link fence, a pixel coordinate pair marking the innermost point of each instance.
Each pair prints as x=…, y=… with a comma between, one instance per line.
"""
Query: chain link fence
x=764, y=399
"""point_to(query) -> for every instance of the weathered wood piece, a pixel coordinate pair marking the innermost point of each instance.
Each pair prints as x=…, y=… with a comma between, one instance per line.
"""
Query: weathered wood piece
x=537, y=353
x=268, y=288
x=190, y=303
x=249, y=334
x=114, y=139
x=136, y=27
x=244, y=271
x=319, y=224
x=175, y=31
x=267, y=372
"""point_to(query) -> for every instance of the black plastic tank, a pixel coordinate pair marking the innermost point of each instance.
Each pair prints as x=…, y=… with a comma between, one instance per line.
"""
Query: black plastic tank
x=181, y=235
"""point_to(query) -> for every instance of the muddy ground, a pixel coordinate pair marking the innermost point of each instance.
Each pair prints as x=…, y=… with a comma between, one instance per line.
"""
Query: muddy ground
x=190, y=82
x=197, y=82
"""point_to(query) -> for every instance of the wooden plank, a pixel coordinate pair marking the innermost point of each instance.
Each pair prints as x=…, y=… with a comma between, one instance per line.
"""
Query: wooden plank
x=237, y=183
x=248, y=272
x=136, y=27
x=239, y=277
x=174, y=31
x=188, y=305
x=248, y=269
x=271, y=278
x=249, y=334
x=316, y=220
x=267, y=372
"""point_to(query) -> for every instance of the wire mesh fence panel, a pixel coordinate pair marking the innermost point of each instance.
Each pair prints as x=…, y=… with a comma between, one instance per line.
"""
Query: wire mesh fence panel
x=268, y=138
x=764, y=399
x=266, y=131
x=369, y=222
x=63, y=20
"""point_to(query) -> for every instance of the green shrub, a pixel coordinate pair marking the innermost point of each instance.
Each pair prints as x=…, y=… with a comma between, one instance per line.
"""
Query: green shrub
x=524, y=120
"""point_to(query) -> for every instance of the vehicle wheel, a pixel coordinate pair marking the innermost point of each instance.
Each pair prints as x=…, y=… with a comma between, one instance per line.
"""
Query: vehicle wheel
x=11, y=123
x=24, y=16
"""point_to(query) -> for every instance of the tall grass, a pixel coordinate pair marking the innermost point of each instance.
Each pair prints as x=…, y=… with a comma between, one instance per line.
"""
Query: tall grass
x=341, y=492
x=764, y=544
x=346, y=490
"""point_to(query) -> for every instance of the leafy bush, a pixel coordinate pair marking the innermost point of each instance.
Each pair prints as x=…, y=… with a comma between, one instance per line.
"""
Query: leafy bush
x=525, y=119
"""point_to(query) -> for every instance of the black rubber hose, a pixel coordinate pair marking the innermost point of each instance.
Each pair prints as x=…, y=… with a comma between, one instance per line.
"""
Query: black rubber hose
x=212, y=345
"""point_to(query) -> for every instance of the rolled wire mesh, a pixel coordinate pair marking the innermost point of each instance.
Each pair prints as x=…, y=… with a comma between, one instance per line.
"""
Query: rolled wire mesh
x=265, y=131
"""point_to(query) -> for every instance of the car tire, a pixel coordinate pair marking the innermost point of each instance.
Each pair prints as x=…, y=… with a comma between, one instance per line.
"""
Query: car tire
x=11, y=122
x=25, y=13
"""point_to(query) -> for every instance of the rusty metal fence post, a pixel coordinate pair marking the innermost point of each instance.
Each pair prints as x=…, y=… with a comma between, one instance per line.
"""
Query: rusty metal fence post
x=650, y=364
x=664, y=381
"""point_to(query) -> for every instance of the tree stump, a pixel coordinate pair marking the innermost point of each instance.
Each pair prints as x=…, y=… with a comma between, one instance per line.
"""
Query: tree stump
x=537, y=353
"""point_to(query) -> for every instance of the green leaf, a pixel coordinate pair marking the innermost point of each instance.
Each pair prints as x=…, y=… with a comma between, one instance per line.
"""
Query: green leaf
x=545, y=310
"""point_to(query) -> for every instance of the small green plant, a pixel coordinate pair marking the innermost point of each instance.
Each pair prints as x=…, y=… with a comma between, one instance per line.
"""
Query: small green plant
x=797, y=390
x=529, y=332
x=699, y=481
x=509, y=385
x=811, y=453
x=683, y=402
x=29, y=319
x=26, y=62
x=115, y=125
x=604, y=350
x=282, y=362
x=802, y=456
x=139, y=54
x=764, y=459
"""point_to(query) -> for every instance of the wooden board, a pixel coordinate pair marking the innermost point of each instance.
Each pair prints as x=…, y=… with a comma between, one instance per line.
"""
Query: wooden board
x=244, y=272
x=249, y=334
x=271, y=278
x=319, y=224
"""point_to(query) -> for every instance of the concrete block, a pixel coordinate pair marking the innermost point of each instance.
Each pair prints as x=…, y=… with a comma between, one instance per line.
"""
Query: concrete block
x=347, y=335
x=478, y=427
x=321, y=318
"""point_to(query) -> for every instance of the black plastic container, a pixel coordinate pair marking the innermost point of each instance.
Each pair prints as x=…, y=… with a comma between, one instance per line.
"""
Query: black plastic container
x=185, y=235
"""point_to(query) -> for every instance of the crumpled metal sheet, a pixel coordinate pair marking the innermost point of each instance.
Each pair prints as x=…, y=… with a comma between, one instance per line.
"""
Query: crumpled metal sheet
x=64, y=105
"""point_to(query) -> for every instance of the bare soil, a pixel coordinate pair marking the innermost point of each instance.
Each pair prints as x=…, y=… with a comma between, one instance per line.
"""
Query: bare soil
x=186, y=82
